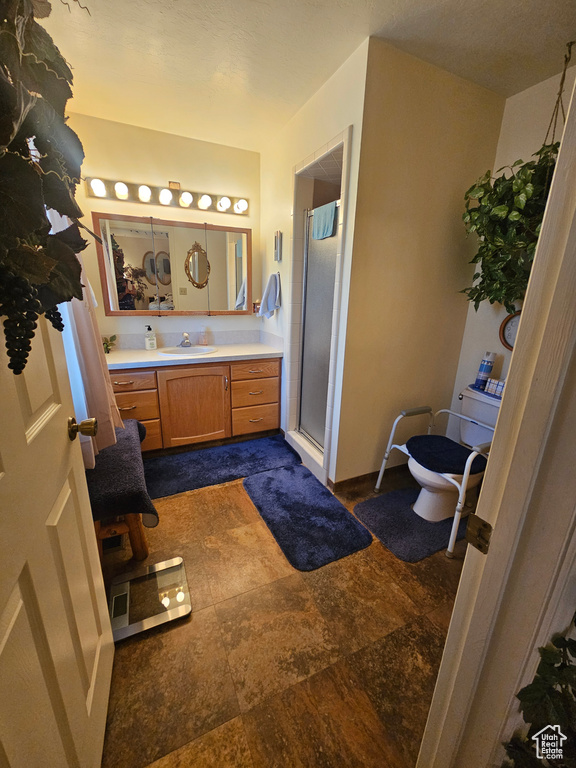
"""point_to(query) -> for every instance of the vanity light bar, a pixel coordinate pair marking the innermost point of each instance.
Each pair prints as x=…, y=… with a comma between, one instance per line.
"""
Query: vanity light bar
x=165, y=196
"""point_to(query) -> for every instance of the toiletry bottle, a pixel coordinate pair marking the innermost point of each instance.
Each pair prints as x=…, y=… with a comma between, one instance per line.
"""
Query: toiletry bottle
x=485, y=370
x=202, y=338
x=149, y=338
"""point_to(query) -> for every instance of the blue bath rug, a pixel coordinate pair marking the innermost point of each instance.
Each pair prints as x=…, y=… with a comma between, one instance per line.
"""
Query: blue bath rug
x=401, y=530
x=310, y=525
x=179, y=472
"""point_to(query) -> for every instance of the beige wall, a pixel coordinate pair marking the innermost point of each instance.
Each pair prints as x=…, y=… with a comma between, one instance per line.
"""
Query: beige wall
x=335, y=107
x=526, y=119
x=133, y=154
x=426, y=134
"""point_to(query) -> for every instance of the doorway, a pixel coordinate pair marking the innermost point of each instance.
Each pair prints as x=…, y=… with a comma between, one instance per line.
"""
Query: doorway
x=317, y=267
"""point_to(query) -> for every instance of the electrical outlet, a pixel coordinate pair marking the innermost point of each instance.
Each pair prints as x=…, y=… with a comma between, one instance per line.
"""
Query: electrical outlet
x=183, y=291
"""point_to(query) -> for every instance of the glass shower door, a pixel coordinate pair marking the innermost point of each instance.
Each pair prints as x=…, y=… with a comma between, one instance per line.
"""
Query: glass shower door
x=318, y=303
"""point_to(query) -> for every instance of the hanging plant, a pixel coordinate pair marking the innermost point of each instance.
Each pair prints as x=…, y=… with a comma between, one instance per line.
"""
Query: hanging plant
x=548, y=701
x=40, y=159
x=506, y=213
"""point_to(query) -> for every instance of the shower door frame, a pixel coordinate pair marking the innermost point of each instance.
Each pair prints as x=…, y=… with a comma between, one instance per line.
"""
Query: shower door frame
x=320, y=463
x=308, y=213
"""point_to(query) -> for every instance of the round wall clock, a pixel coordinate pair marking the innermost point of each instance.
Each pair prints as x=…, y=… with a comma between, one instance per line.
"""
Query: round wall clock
x=509, y=329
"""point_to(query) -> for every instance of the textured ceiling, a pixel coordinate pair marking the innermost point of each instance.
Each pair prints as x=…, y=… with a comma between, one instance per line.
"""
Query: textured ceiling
x=234, y=71
x=328, y=168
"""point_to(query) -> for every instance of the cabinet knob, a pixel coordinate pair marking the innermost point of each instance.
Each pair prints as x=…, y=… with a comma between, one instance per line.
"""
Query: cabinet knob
x=259, y=392
x=127, y=408
x=253, y=420
x=123, y=383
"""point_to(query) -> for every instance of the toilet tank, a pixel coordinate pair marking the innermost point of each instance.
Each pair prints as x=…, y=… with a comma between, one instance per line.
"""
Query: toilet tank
x=482, y=407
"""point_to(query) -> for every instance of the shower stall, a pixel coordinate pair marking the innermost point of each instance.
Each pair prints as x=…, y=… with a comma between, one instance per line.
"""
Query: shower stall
x=312, y=356
x=320, y=258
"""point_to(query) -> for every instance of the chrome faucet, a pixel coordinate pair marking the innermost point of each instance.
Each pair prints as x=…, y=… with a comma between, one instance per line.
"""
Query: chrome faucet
x=185, y=340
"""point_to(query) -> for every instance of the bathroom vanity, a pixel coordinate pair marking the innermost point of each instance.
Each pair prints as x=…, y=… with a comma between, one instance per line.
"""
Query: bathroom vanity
x=181, y=400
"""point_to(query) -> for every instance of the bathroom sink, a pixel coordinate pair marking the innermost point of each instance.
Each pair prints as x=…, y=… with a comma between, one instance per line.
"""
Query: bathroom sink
x=192, y=351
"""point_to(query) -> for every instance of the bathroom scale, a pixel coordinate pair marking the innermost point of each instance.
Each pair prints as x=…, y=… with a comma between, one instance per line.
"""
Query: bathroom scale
x=147, y=597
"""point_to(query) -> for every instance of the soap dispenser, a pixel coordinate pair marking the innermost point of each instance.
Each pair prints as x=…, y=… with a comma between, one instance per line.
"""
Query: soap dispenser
x=150, y=338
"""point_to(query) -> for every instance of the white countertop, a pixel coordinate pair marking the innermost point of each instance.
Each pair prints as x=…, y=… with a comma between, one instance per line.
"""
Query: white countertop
x=144, y=358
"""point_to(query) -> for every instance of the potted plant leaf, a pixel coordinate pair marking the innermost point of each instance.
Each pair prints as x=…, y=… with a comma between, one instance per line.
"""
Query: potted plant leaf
x=40, y=159
x=506, y=213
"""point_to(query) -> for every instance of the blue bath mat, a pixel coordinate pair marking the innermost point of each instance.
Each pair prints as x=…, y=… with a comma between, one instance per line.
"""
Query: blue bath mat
x=401, y=530
x=310, y=525
x=179, y=472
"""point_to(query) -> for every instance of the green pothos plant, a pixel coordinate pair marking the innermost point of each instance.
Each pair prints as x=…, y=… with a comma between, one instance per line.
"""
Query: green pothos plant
x=40, y=160
x=506, y=213
x=549, y=700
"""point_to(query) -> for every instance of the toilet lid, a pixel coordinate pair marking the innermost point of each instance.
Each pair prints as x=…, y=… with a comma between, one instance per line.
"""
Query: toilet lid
x=440, y=454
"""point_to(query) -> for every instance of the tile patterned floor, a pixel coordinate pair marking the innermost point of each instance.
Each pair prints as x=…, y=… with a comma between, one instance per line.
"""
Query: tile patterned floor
x=277, y=668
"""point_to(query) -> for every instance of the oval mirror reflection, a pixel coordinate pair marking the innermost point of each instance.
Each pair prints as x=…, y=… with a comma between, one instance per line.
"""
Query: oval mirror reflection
x=197, y=266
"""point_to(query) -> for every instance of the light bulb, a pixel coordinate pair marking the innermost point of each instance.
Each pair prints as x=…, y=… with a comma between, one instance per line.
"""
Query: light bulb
x=121, y=190
x=180, y=596
x=224, y=203
x=186, y=199
x=144, y=193
x=98, y=187
x=241, y=206
x=165, y=601
x=205, y=202
x=165, y=196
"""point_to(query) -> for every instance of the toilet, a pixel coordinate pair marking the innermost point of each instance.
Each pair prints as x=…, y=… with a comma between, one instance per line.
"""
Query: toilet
x=438, y=496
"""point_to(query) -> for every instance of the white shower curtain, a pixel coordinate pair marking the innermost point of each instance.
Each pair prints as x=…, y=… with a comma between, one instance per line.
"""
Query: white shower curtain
x=89, y=379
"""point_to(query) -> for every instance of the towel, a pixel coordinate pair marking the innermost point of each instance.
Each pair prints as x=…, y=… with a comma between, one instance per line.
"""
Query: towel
x=241, y=298
x=323, y=223
x=271, y=296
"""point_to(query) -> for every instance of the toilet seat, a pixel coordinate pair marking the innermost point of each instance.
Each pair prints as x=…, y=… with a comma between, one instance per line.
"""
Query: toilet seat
x=438, y=480
x=438, y=453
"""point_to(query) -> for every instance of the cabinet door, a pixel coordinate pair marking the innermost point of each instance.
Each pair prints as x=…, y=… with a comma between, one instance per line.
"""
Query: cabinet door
x=195, y=404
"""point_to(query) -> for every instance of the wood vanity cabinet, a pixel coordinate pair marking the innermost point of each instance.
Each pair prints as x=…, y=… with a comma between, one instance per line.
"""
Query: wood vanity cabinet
x=198, y=403
x=137, y=398
x=255, y=396
x=195, y=404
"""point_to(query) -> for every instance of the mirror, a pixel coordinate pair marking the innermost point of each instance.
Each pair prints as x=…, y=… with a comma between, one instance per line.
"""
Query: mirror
x=170, y=267
x=197, y=266
x=157, y=267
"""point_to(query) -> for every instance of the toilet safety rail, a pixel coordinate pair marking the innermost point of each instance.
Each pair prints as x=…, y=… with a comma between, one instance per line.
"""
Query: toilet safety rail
x=461, y=486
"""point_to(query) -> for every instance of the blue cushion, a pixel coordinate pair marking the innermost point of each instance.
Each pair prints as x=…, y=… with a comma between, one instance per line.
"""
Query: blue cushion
x=440, y=454
x=117, y=485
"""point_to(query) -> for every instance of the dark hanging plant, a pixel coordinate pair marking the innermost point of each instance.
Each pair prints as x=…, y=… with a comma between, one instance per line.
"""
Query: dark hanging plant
x=40, y=160
x=506, y=213
x=550, y=699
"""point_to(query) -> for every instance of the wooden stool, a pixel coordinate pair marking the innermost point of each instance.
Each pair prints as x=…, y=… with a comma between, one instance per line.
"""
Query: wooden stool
x=117, y=489
x=132, y=525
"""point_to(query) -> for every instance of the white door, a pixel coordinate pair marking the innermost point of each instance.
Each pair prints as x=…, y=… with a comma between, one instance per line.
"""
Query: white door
x=56, y=645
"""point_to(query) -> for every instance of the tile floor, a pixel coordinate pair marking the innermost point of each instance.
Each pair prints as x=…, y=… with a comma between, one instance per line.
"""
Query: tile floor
x=277, y=668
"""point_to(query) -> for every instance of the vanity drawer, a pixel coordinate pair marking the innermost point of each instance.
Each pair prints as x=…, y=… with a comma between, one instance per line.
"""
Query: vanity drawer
x=153, y=439
x=256, y=369
x=138, y=405
x=255, y=393
x=256, y=418
x=126, y=381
